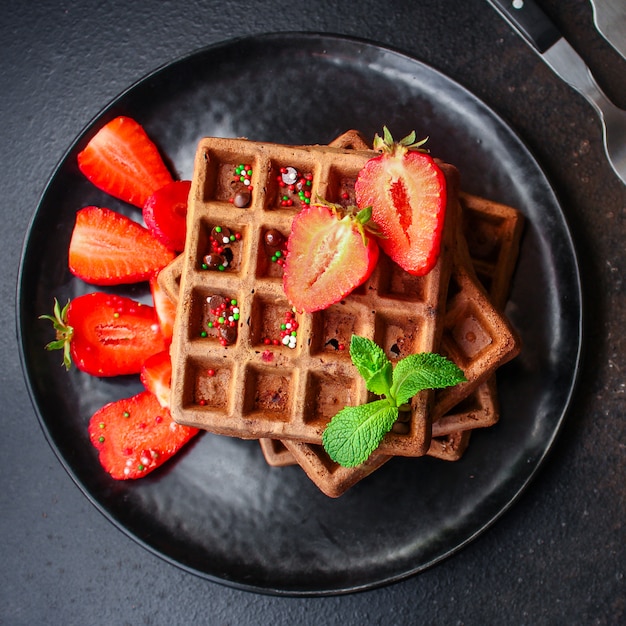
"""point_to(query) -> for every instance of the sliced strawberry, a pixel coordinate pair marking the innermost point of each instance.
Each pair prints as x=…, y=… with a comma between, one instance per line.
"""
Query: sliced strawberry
x=328, y=255
x=165, y=214
x=136, y=435
x=105, y=334
x=108, y=248
x=121, y=160
x=156, y=376
x=407, y=192
x=165, y=308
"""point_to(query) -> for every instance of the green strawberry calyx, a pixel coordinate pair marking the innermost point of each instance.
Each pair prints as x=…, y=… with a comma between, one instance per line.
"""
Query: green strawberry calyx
x=64, y=332
x=387, y=145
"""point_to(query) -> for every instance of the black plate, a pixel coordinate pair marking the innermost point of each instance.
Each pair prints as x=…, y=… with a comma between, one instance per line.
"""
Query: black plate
x=217, y=510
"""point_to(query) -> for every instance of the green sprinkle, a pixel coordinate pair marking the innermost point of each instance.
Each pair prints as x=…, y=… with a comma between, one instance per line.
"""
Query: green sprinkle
x=220, y=320
x=210, y=324
x=116, y=315
x=221, y=268
x=203, y=333
x=126, y=414
x=141, y=467
x=294, y=333
x=278, y=254
x=233, y=302
x=218, y=229
x=235, y=316
x=232, y=237
x=101, y=424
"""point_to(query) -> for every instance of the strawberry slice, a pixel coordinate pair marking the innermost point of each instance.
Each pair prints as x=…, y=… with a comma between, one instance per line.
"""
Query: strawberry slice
x=165, y=308
x=165, y=214
x=407, y=192
x=136, y=435
x=156, y=376
x=121, y=160
x=329, y=254
x=105, y=334
x=108, y=248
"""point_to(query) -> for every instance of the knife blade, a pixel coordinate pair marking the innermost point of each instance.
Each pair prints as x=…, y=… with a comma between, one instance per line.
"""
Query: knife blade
x=609, y=16
x=529, y=20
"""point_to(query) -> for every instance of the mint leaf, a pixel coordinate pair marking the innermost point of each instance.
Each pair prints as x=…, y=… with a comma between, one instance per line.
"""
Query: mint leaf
x=356, y=431
x=426, y=370
x=372, y=363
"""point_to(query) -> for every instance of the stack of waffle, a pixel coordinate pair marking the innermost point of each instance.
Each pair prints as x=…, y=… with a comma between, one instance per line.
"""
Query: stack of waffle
x=245, y=365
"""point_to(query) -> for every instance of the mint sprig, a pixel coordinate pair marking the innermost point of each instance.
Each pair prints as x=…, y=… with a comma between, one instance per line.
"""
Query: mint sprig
x=356, y=431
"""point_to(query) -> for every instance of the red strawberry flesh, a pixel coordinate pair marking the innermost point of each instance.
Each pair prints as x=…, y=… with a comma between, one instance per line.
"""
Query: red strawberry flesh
x=165, y=214
x=156, y=376
x=112, y=335
x=164, y=307
x=407, y=192
x=123, y=161
x=108, y=248
x=136, y=435
x=327, y=258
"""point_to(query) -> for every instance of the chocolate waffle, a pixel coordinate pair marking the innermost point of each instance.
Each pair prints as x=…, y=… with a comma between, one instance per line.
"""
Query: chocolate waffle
x=229, y=377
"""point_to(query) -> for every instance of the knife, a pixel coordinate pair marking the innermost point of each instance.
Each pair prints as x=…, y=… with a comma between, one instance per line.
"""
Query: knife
x=609, y=17
x=529, y=20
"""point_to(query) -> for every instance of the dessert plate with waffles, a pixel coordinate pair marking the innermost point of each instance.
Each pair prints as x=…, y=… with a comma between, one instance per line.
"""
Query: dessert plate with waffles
x=293, y=425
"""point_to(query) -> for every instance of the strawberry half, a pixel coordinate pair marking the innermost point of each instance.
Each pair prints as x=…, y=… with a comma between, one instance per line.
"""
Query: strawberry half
x=407, y=192
x=121, y=160
x=156, y=376
x=165, y=214
x=105, y=334
x=108, y=248
x=329, y=254
x=136, y=435
x=165, y=308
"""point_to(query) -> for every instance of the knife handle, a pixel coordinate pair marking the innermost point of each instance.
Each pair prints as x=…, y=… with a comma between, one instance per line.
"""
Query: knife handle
x=530, y=21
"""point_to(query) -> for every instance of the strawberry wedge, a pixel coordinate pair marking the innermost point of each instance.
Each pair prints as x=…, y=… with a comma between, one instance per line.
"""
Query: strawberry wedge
x=407, y=192
x=108, y=248
x=123, y=161
x=136, y=435
x=165, y=214
x=156, y=376
x=329, y=253
x=105, y=334
x=165, y=308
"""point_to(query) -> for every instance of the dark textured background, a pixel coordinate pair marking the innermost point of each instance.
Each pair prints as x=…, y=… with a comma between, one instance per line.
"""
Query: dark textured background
x=558, y=556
